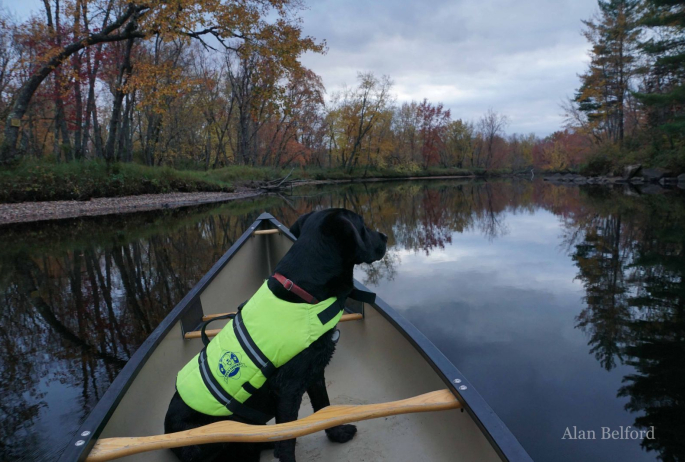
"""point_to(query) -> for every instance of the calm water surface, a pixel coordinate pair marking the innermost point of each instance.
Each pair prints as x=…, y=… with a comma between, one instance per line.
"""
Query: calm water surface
x=564, y=306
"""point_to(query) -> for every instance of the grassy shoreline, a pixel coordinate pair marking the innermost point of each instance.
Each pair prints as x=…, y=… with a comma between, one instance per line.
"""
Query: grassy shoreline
x=33, y=181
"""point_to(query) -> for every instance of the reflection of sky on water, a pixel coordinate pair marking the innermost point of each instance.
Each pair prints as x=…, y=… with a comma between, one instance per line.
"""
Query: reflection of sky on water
x=503, y=311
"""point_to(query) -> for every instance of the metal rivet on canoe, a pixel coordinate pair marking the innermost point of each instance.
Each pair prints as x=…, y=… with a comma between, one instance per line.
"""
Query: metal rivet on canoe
x=80, y=443
x=85, y=433
x=463, y=387
x=457, y=380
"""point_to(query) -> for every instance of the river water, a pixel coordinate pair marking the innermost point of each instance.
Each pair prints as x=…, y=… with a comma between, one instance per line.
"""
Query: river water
x=563, y=305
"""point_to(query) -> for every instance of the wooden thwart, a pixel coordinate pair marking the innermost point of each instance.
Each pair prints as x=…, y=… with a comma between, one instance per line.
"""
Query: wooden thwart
x=344, y=318
x=212, y=316
x=261, y=232
x=214, y=332
x=228, y=431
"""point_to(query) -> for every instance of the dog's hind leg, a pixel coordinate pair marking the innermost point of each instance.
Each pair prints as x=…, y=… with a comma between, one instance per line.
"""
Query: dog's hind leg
x=319, y=397
x=200, y=452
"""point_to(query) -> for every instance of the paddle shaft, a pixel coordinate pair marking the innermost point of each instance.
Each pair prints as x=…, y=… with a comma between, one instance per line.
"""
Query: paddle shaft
x=229, y=431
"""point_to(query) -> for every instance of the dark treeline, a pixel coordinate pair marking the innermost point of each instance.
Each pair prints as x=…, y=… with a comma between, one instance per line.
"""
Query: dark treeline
x=630, y=104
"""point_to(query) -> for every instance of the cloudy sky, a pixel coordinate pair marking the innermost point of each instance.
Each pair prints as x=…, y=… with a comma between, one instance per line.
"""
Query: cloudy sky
x=519, y=57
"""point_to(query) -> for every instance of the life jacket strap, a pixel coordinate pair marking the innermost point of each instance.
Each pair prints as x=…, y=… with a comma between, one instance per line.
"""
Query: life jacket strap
x=331, y=312
x=223, y=397
x=250, y=347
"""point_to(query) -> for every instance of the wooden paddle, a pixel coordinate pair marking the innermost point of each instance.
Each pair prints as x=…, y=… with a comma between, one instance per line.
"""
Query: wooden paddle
x=213, y=332
x=224, y=432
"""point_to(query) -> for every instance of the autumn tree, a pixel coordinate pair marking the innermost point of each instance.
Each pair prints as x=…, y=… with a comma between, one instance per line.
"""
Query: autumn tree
x=378, y=146
x=405, y=129
x=613, y=35
x=457, y=144
x=561, y=150
x=490, y=127
x=354, y=113
x=266, y=25
x=9, y=62
x=161, y=86
x=294, y=130
x=433, y=120
x=520, y=150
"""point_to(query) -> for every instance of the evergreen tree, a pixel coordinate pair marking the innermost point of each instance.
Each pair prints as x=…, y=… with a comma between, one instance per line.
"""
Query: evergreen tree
x=664, y=92
x=613, y=34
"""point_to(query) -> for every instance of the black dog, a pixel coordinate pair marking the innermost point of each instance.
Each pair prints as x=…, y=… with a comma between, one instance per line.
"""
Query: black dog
x=321, y=261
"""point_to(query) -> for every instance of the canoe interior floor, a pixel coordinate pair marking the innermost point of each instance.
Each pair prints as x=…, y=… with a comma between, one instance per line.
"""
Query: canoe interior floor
x=374, y=363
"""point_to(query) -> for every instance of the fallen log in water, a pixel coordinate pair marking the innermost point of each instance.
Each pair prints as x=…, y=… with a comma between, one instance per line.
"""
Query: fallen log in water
x=277, y=184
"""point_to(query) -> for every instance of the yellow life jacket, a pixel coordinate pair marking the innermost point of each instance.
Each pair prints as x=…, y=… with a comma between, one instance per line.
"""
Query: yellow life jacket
x=265, y=334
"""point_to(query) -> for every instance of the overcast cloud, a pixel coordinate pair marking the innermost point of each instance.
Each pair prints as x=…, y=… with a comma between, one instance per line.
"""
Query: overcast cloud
x=520, y=57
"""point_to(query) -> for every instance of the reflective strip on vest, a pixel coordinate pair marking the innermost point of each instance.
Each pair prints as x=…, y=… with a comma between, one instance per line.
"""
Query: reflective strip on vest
x=267, y=333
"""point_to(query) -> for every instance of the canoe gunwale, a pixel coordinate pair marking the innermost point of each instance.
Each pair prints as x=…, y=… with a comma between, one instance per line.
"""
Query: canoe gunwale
x=498, y=435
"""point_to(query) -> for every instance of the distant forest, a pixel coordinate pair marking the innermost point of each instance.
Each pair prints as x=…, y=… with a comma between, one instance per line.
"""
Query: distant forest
x=207, y=84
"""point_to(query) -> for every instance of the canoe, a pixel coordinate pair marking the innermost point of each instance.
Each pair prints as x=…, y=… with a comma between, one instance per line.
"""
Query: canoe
x=380, y=358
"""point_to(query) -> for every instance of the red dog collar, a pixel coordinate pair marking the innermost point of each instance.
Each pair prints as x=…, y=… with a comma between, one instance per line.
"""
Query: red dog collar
x=294, y=288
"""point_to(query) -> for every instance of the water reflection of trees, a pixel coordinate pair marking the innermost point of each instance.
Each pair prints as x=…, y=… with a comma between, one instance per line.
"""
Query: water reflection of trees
x=423, y=216
x=74, y=312
x=630, y=255
x=418, y=216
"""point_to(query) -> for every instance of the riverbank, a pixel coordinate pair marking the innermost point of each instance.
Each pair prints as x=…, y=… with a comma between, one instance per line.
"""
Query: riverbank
x=38, y=191
x=36, y=181
x=25, y=212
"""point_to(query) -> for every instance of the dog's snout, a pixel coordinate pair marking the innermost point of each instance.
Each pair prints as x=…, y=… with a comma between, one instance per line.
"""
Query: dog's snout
x=384, y=237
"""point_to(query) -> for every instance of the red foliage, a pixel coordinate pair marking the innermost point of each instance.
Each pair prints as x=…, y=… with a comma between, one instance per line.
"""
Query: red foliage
x=433, y=121
x=561, y=150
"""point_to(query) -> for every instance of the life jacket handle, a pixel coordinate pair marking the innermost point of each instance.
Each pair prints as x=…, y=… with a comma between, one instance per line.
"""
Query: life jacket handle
x=203, y=334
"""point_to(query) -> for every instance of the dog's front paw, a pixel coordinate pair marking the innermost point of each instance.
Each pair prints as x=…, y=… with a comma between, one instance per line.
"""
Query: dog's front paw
x=341, y=433
x=284, y=451
x=284, y=458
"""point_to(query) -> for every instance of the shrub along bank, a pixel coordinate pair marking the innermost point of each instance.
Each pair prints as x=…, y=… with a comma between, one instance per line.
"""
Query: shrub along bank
x=40, y=181
x=45, y=181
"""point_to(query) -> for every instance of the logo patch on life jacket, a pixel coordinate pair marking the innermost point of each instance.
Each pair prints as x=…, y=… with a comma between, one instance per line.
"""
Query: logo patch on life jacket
x=229, y=365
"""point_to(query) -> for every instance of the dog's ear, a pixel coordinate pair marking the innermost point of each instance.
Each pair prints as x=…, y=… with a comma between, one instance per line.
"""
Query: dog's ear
x=351, y=233
x=350, y=230
x=296, y=228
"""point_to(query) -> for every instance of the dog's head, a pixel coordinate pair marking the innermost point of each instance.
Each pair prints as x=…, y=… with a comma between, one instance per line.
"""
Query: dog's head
x=352, y=239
